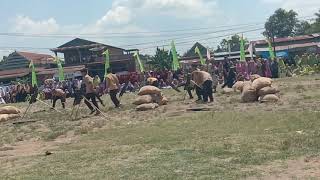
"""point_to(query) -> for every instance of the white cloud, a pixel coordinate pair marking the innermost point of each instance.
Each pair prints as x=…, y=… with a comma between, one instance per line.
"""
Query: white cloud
x=303, y=7
x=25, y=24
x=179, y=8
x=117, y=15
x=126, y=16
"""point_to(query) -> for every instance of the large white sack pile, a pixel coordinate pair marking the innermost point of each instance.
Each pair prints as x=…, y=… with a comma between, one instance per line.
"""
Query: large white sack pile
x=8, y=113
x=149, y=97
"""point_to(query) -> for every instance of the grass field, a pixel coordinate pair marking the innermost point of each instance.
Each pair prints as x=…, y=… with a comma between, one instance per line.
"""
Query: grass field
x=232, y=141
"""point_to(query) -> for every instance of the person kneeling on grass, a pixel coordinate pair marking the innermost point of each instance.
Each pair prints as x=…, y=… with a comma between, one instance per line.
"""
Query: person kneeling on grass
x=203, y=82
x=113, y=86
x=58, y=94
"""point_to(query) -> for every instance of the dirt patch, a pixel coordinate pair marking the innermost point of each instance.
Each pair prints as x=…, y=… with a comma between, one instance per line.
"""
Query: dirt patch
x=26, y=148
x=302, y=168
x=35, y=147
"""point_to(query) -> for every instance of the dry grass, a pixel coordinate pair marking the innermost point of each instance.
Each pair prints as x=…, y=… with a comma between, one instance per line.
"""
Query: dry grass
x=230, y=142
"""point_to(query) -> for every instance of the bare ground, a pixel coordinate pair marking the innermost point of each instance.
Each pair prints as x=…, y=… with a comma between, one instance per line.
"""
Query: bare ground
x=34, y=139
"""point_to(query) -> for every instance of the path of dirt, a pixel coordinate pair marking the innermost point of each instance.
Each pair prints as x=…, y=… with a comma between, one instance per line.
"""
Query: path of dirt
x=34, y=146
x=302, y=168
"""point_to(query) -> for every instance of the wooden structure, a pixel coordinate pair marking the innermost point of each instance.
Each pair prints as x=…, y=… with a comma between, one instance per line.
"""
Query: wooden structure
x=83, y=52
x=18, y=60
x=16, y=65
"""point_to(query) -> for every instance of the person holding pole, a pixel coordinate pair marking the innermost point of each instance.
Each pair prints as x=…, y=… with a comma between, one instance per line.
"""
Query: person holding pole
x=90, y=93
x=112, y=86
x=203, y=82
x=56, y=95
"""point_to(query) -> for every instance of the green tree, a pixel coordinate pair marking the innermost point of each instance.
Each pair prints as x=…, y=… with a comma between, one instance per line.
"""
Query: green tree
x=234, y=44
x=219, y=49
x=281, y=24
x=161, y=60
x=302, y=28
x=315, y=27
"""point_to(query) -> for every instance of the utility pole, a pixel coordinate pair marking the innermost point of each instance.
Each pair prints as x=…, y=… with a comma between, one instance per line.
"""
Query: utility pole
x=273, y=42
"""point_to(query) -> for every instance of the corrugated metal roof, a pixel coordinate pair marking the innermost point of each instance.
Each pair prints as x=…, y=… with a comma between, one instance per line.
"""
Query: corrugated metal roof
x=37, y=58
x=286, y=39
x=40, y=71
x=281, y=48
x=81, y=43
x=68, y=69
x=16, y=75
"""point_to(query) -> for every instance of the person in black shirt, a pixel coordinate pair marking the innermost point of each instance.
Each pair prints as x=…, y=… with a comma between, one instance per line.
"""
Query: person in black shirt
x=231, y=78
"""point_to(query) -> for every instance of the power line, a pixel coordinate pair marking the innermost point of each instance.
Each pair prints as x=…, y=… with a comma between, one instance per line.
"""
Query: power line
x=215, y=37
x=151, y=34
x=127, y=36
x=139, y=32
x=152, y=42
x=178, y=43
x=185, y=37
x=145, y=32
x=149, y=47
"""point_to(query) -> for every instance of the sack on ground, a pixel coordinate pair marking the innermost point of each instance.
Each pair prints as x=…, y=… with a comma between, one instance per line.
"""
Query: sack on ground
x=269, y=98
x=164, y=101
x=261, y=83
x=227, y=90
x=145, y=99
x=249, y=93
x=9, y=110
x=254, y=77
x=7, y=117
x=149, y=90
x=268, y=90
x=146, y=107
x=238, y=86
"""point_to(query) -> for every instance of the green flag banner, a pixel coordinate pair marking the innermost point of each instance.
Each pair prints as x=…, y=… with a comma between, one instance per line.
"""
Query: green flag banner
x=137, y=58
x=242, y=52
x=33, y=74
x=175, y=63
x=271, y=52
x=60, y=69
x=202, y=61
x=107, y=62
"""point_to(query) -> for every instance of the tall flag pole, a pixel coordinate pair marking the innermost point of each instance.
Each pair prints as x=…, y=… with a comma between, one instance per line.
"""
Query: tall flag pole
x=271, y=52
x=60, y=69
x=229, y=48
x=106, y=62
x=197, y=50
x=137, y=58
x=208, y=54
x=242, y=52
x=33, y=74
x=175, y=63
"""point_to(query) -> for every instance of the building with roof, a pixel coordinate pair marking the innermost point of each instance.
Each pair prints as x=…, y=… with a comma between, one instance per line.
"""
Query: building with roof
x=16, y=65
x=289, y=47
x=18, y=60
x=88, y=53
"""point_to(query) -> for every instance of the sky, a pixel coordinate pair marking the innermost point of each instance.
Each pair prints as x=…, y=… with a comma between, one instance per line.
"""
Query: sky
x=131, y=24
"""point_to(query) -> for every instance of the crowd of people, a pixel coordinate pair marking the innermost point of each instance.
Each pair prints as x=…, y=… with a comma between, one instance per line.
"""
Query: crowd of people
x=224, y=73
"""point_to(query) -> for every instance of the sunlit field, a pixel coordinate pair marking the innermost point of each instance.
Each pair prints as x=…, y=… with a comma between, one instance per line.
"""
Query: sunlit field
x=230, y=141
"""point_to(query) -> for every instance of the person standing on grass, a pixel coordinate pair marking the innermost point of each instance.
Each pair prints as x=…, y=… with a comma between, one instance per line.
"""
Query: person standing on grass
x=113, y=86
x=90, y=92
x=96, y=84
x=58, y=94
x=231, y=78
